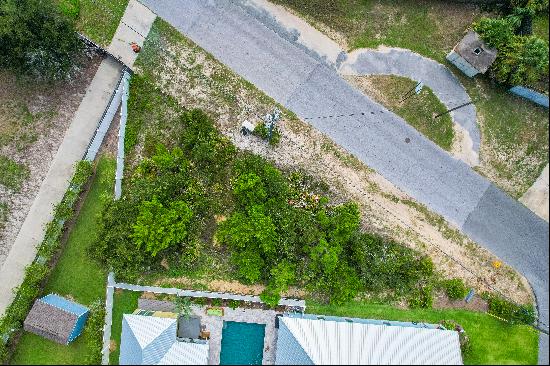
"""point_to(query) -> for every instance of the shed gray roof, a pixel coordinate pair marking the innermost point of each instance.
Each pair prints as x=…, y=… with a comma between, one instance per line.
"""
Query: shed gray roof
x=50, y=322
x=189, y=327
x=465, y=48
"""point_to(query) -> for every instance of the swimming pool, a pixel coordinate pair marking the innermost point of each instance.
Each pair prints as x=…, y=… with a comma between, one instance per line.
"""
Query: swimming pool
x=242, y=343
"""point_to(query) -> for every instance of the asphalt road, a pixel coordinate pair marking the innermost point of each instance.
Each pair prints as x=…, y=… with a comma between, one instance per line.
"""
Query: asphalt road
x=251, y=44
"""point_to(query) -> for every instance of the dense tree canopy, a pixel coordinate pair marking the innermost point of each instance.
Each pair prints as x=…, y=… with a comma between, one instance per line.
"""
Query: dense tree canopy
x=37, y=39
x=278, y=230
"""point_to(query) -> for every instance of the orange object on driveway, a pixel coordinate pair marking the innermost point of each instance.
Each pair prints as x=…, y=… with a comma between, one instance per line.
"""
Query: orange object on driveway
x=135, y=47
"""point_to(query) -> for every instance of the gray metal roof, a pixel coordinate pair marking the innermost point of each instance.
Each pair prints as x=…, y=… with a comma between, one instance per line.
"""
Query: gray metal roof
x=50, y=322
x=150, y=340
x=466, y=47
x=325, y=342
x=189, y=327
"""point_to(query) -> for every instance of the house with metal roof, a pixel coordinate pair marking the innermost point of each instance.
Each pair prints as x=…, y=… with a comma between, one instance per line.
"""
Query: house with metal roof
x=471, y=55
x=319, y=340
x=154, y=340
x=56, y=318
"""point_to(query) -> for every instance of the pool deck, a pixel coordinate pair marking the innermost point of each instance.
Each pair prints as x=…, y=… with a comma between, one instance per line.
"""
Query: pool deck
x=214, y=324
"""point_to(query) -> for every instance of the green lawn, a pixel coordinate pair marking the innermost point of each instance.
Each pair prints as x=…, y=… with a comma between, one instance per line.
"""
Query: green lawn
x=492, y=341
x=99, y=19
x=514, y=132
x=418, y=110
x=75, y=275
x=125, y=302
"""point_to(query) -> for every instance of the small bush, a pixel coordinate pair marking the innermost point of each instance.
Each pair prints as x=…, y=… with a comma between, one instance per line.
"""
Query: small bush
x=262, y=131
x=421, y=298
x=233, y=304
x=201, y=301
x=93, y=333
x=455, y=289
x=511, y=312
x=217, y=302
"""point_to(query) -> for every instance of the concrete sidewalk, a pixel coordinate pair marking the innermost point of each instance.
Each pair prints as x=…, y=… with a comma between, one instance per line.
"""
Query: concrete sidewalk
x=54, y=186
x=133, y=27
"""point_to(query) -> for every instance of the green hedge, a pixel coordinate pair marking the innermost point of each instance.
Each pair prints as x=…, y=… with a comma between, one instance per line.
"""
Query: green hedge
x=35, y=274
x=511, y=312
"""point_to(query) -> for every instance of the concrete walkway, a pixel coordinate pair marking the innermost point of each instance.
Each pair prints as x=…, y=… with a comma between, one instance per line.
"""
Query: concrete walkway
x=133, y=27
x=401, y=62
x=54, y=186
x=235, y=33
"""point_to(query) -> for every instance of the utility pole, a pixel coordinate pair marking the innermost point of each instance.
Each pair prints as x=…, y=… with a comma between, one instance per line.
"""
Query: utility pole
x=270, y=120
x=417, y=89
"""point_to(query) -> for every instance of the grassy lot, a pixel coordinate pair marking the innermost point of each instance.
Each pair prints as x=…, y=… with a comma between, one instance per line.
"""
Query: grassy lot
x=417, y=110
x=12, y=174
x=99, y=19
x=514, y=147
x=125, y=302
x=493, y=341
x=416, y=25
x=75, y=275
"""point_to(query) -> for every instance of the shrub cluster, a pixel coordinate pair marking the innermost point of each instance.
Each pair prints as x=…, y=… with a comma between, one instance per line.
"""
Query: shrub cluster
x=522, y=58
x=93, y=333
x=38, y=271
x=166, y=202
x=282, y=235
x=510, y=311
x=281, y=230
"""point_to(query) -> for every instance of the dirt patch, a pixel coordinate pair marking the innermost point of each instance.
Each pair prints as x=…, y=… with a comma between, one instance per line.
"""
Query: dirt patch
x=442, y=301
x=112, y=345
x=463, y=146
x=536, y=197
x=33, y=121
x=233, y=287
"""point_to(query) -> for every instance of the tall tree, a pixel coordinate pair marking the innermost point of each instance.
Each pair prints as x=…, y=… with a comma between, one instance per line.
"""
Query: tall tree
x=37, y=39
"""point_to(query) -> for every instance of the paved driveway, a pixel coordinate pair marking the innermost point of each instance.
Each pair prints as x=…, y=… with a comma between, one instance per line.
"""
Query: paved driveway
x=251, y=44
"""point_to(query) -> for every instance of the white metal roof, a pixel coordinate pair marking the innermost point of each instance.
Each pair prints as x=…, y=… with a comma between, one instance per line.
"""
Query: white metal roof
x=152, y=340
x=328, y=342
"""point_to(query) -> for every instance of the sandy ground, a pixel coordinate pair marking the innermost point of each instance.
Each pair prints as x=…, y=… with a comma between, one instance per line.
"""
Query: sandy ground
x=52, y=108
x=385, y=209
x=536, y=197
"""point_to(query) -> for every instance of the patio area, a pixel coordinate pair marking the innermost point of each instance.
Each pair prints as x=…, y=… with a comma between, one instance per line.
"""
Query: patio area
x=214, y=325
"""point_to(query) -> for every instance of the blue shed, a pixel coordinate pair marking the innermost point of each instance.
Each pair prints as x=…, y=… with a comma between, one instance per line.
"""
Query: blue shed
x=56, y=318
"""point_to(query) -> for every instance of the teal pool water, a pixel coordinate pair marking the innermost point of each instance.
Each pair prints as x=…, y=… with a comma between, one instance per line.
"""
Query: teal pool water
x=242, y=343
